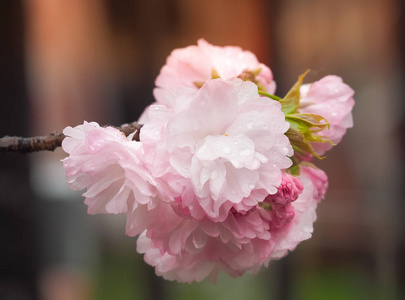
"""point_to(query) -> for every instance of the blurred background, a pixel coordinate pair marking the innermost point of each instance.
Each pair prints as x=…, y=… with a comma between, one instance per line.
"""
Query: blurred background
x=62, y=62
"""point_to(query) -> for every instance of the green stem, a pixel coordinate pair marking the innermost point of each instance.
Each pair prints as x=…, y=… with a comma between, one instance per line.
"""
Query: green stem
x=274, y=97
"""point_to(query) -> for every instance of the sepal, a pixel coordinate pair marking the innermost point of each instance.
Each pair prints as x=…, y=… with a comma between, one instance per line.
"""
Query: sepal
x=291, y=101
x=299, y=142
x=302, y=129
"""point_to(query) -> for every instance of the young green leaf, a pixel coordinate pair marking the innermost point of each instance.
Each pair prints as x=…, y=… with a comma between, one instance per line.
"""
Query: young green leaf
x=291, y=101
x=311, y=122
x=299, y=141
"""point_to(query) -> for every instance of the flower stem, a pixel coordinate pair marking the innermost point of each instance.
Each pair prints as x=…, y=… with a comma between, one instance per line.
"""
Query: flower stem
x=274, y=97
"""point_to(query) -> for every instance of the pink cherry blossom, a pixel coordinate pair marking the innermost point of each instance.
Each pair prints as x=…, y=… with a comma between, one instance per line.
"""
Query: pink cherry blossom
x=208, y=187
x=218, y=147
x=187, y=250
x=300, y=227
x=193, y=65
x=282, y=210
x=109, y=166
x=332, y=99
x=318, y=178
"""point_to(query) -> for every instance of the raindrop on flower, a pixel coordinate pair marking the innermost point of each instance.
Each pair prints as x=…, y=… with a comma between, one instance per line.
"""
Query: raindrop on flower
x=245, y=152
x=227, y=150
x=250, y=125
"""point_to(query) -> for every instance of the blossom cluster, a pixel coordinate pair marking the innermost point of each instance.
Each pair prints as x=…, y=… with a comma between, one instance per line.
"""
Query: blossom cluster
x=222, y=177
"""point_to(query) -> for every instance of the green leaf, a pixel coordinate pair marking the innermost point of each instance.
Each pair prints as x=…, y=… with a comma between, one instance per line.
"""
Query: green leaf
x=299, y=141
x=291, y=101
x=308, y=122
x=295, y=168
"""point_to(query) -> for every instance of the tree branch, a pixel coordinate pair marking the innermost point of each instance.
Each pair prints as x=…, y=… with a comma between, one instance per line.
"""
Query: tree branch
x=21, y=145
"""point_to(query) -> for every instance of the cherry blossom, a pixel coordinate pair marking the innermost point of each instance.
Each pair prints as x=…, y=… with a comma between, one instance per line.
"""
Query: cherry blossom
x=333, y=100
x=224, y=143
x=188, y=250
x=214, y=184
x=194, y=65
x=109, y=166
x=318, y=178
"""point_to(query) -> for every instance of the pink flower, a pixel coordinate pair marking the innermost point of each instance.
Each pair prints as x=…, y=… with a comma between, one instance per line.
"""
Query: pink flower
x=332, y=99
x=117, y=174
x=194, y=65
x=109, y=166
x=318, y=178
x=208, y=187
x=188, y=250
x=282, y=210
x=300, y=227
x=218, y=147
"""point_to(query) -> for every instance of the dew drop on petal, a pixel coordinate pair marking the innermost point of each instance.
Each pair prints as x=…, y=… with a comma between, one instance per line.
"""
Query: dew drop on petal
x=236, y=163
x=251, y=186
x=255, y=164
x=261, y=157
x=245, y=152
x=227, y=150
x=250, y=125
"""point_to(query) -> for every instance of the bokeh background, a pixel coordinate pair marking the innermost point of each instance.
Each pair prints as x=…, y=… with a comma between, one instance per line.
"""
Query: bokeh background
x=62, y=62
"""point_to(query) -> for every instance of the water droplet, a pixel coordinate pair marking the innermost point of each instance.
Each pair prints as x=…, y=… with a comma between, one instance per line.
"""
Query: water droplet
x=261, y=157
x=251, y=186
x=236, y=163
x=245, y=152
x=255, y=164
x=250, y=125
x=227, y=150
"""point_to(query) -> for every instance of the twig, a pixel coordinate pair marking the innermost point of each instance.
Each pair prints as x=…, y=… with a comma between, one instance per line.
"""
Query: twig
x=21, y=145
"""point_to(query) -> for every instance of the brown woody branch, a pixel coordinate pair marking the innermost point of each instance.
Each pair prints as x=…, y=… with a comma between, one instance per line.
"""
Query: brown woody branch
x=21, y=145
